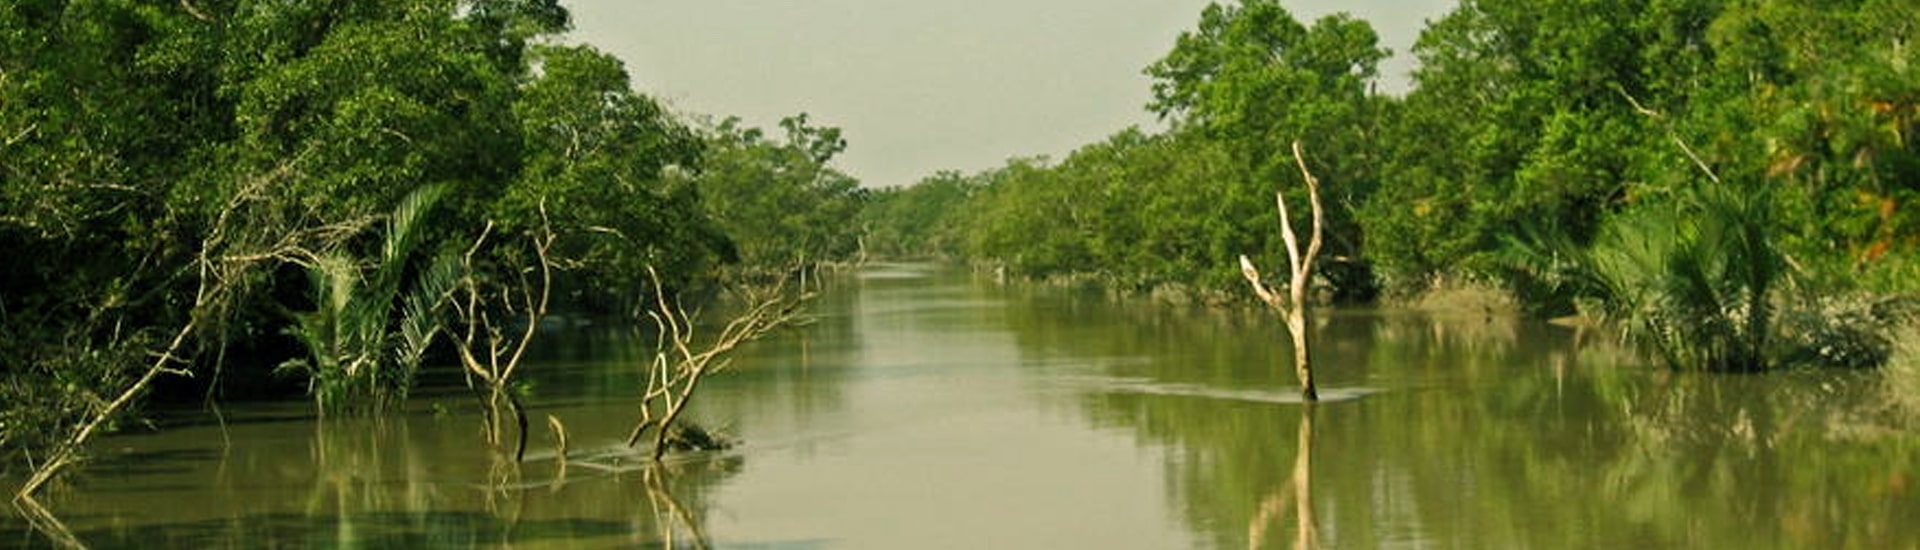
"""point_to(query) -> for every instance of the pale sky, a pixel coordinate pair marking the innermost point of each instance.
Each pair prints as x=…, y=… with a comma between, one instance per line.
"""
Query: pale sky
x=920, y=86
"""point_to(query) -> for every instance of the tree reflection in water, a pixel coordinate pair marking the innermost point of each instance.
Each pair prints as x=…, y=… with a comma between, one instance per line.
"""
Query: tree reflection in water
x=1483, y=431
x=409, y=482
x=1297, y=491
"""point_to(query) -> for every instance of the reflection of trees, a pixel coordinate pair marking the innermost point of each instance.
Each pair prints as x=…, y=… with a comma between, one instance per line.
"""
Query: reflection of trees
x=45, y=523
x=383, y=483
x=1196, y=345
x=419, y=481
x=1817, y=456
x=679, y=525
x=1297, y=493
x=1488, y=434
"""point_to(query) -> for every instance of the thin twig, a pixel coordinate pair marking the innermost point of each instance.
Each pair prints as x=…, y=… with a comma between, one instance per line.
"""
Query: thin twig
x=1671, y=134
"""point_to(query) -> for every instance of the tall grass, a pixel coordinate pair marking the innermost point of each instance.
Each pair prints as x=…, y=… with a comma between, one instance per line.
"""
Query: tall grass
x=1691, y=278
x=373, y=317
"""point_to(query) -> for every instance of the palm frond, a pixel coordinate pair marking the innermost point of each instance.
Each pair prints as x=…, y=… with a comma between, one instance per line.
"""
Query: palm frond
x=1691, y=279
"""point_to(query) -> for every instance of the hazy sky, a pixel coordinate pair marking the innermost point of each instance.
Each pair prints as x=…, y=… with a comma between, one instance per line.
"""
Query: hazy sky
x=921, y=86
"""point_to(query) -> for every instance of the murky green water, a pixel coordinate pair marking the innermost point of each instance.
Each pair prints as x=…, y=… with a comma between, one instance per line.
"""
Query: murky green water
x=926, y=409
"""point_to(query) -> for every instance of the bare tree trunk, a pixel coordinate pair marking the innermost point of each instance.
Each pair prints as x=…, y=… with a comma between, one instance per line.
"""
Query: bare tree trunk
x=1302, y=365
x=1294, y=305
x=69, y=451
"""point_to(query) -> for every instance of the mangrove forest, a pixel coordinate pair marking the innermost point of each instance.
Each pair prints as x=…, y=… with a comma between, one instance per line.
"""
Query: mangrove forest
x=433, y=273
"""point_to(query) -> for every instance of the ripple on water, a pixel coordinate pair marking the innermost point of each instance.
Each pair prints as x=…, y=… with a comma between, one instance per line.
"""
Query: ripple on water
x=1282, y=396
x=894, y=272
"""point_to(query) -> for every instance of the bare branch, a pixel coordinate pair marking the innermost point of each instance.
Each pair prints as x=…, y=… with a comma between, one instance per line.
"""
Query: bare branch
x=195, y=12
x=17, y=138
x=1286, y=233
x=1671, y=134
x=681, y=362
x=1259, y=286
x=1303, y=267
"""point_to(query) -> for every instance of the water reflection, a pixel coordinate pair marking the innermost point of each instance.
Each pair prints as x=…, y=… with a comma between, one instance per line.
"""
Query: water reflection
x=416, y=482
x=1485, y=432
x=1296, y=493
x=926, y=408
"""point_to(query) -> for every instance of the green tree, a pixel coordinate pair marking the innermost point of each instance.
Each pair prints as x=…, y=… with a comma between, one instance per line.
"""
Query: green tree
x=598, y=160
x=354, y=357
x=1522, y=115
x=1255, y=79
x=920, y=220
x=782, y=202
x=103, y=109
x=166, y=164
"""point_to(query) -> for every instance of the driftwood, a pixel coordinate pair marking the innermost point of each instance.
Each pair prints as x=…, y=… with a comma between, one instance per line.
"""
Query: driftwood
x=1293, y=306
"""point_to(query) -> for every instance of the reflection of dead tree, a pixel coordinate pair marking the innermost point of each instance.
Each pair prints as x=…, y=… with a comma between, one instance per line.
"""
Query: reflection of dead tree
x=681, y=363
x=44, y=522
x=487, y=351
x=673, y=517
x=1300, y=488
x=502, y=488
x=559, y=431
x=1294, y=306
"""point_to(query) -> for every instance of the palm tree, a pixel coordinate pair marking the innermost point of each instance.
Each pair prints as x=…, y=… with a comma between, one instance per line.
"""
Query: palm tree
x=352, y=347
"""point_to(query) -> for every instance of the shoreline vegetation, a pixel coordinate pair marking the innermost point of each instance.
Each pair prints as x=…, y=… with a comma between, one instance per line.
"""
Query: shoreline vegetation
x=237, y=200
x=225, y=201
x=1731, y=186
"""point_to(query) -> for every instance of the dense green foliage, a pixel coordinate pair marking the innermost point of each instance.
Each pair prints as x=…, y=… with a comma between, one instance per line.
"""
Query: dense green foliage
x=1177, y=208
x=918, y=221
x=1727, y=179
x=218, y=187
x=782, y=201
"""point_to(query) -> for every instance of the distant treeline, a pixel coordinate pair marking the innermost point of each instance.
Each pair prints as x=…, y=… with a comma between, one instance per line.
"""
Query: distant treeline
x=1544, y=116
x=1703, y=159
x=253, y=192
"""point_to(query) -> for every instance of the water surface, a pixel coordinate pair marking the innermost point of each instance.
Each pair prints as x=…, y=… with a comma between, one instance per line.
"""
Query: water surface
x=926, y=408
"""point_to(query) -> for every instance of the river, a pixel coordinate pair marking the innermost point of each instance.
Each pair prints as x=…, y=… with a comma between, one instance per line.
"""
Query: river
x=927, y=408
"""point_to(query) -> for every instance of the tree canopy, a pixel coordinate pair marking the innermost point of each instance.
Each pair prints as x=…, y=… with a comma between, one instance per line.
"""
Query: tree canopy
x=1535, y=133
x=231, y=185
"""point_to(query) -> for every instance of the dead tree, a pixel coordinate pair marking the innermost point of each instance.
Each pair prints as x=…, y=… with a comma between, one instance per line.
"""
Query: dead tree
x=681, y=361
x=1293, y=306
x=486, y=350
